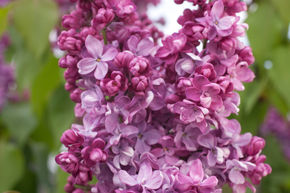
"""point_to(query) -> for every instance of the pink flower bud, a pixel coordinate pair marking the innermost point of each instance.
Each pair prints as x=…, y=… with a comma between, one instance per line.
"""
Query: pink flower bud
x=68, y=162
x=139, y=83
x=76, y=95
x=116, y=82
x=139, y=65
x=246, y=54
x=104, y=17
x=70, y=139
x=123, y=59
x=256, y=145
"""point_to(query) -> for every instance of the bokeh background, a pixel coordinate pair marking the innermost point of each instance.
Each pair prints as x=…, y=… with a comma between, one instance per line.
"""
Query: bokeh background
x=37, y=109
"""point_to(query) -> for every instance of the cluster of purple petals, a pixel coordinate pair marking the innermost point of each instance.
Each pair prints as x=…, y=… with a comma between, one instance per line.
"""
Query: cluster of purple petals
x=153, y=118
x=6, y=72
x=278, y=126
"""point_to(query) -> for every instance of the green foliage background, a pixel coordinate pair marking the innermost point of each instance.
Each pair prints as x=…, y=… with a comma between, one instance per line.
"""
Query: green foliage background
x=30, y=131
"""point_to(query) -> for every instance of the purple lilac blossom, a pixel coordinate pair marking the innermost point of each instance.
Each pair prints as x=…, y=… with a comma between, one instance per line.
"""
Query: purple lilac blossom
x=6, y=73
x=278, y=126
x=155, y=116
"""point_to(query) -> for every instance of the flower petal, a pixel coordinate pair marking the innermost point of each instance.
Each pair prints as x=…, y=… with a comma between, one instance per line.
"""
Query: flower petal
x=87, y=65
x=236, y=177
x=126, y=178
x=145, y=173
x=217, y=9
x=101, y=70
x=196, y=171
x=109, y=54
x=94, y=46
x=226, y=22
x=155, y=180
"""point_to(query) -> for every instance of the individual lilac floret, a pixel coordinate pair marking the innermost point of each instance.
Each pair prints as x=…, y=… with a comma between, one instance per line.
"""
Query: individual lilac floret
x=146, y=178
x=97, y=63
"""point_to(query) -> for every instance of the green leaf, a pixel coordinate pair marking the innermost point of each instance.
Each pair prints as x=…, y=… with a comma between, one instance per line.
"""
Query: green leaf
x=60, y=113
x=275, y=98
x=265, y=31
x=3, y=18
x=40, y=159
x=251, y=121
x=61, y=180
x=34, y=19
x=26, y=65
x=11, y=165
x=19, y=120
x=251, y=94
x=279, y=73
x=44, y=85
x=283, y=8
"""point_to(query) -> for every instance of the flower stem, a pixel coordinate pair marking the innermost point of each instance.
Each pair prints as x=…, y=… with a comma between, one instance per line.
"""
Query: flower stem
x=104, y=36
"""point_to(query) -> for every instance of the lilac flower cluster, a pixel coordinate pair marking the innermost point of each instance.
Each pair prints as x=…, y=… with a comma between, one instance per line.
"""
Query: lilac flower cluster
x=6, y=73
x=278, y=126
x=153, y=118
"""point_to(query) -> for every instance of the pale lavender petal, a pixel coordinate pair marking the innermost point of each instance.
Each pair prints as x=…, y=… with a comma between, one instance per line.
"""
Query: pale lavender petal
x=132, y=43
x=86, y=65
x=129, y=130
x=206, y=141
x=110, y=54
x=145, y=47
x=101, y=70
x=155, y=180
x=210, y=182
x=236, y=177
x=226, y=22
x=94, y=46
x=127, y=178
x=196, y=171
x=217, y=9
x=145, y=173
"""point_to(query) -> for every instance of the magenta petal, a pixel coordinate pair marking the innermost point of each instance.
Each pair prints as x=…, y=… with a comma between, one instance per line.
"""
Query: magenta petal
x=110, y=54
x=86, y=65
x=126, y=178
x=217, y=9
x=101, y=70
x=193, y=94
x=94, y=46
x=155, y=180
x=196, y=171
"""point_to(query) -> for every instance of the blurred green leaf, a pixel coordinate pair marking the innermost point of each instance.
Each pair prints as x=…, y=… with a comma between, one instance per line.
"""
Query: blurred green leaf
x=60, y=113
x=61, y=180
x=3, y=18
x=34, y=19
x=19, y=120
x=251, y=94
x=44, y=85
x=26, y=65
x=265, y=31
x=251, y=121
x=11, y=165
x=275, y=98
x=279, y=73
x=280, y=176
x=40, y=153
x=283, y=8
